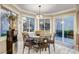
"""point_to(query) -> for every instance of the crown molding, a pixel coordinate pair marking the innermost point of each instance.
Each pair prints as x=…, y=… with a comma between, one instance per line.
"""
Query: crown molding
x=51, y=14
x=24, y=11
x=63, y=12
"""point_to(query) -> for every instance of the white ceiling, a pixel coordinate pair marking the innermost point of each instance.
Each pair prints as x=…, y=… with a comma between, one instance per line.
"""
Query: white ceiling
x=45, y=8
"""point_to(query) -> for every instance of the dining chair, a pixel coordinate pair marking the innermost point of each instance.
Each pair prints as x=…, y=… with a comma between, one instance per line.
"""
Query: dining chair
x=43, y=44
x=26, y=42
x=52, y=41
x=29, y=42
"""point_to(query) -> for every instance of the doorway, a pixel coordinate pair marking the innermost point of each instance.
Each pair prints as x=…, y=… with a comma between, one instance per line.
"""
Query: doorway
x=64, y=27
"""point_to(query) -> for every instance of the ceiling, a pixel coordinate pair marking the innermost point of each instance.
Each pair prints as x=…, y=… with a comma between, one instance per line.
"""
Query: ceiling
x=45, y=8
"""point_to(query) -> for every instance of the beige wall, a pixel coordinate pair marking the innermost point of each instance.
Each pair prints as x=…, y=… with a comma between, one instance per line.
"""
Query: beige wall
x=77, y=34
x=78, y=22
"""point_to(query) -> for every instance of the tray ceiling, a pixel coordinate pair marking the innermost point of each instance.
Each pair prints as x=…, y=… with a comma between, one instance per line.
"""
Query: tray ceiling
x=45, y=8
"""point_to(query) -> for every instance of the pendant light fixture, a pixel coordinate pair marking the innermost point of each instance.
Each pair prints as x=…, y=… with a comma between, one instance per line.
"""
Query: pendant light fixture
x=39, y=16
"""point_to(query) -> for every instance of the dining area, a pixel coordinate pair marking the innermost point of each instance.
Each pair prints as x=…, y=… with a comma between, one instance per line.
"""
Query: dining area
x=37, y=34
x=38, y=42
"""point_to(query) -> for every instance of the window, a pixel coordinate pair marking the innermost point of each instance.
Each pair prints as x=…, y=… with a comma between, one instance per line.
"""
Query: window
x=28, y=24
x=44, y=24
x=4, y=22
x=58, y=27
x=47, y=24
x=65, y=30
x=41, y=24
x=69, y=31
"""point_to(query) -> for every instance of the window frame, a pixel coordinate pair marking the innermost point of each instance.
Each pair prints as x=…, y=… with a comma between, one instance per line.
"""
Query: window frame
x=29, y=23
x=44, y=24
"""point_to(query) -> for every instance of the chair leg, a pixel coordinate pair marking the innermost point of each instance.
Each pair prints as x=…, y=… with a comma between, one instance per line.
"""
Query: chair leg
x=28, y=50
x=23, y=49
x=54, y=47
x=45, y=49
x=40, y=50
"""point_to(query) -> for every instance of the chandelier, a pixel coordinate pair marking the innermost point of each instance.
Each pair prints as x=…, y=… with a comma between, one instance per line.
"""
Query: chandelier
x=39, y=16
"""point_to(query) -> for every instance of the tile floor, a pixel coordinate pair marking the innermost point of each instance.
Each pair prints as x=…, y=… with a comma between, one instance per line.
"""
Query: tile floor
x=59, y=49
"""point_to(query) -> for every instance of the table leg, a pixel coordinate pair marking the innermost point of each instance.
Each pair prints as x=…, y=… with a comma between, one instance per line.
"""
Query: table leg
x=49, y=48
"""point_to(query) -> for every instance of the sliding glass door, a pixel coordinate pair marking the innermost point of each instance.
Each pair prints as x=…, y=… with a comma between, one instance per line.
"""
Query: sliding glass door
x=58, y=28
x=65, y=30
x=69, y=31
